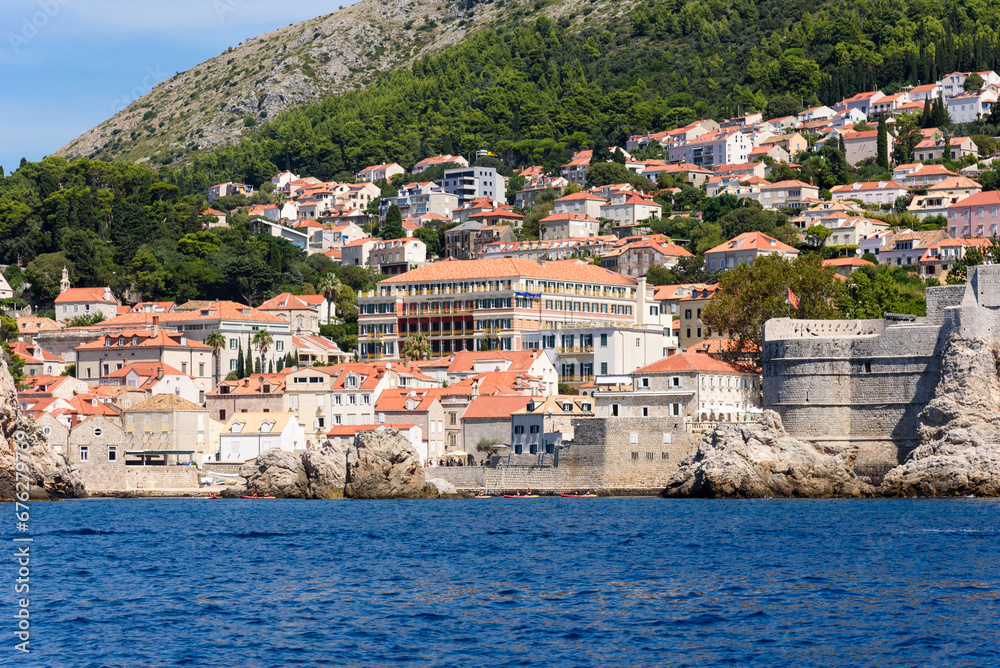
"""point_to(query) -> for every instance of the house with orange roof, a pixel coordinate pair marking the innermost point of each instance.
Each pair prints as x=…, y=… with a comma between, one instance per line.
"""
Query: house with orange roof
x=257, y=393
x=37, y=361
x=905, y=248
x=339, y=233
x=436, y=160
x=218, y=216
x=870, y=192
x=862, y=102
x=383, y=172
x=975, y=216
x=30, y=325
x=927, y=176
x=724, y=146
x=773, y=151
x=584, y=203
x=849, y=230
x=743, y=249
x=569, y=226
x=686, y=387
x=630, y=208
x=318, y=350
x=637, y=257
x=541, y=426
x=156, y=378
x=691, y=174
x=497, y=217
x=919, y=94
x=466, y=365
x=282, y=180
x=861, y=146
x=932, y=148
x=98, y=360
x=788, y=194
x=845, y=266
x=820, y=113
x=303, y=317
x=490, y=416
x=954, y=84
x=396, y=256
x=75, y=302
x=53, y=387
x=357, y=252
x=939, y=197
x=422, y=198
x=421, y=407
x=939, y=258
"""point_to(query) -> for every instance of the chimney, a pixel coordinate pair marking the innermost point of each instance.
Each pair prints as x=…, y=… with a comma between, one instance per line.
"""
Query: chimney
x=155, y=329
x=159, y=373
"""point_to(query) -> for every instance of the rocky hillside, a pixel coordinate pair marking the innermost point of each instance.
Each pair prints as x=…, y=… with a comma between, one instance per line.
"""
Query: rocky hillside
x=220, y=101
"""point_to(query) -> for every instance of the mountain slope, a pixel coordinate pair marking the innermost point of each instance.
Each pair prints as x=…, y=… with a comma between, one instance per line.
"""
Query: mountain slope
x=220, y=101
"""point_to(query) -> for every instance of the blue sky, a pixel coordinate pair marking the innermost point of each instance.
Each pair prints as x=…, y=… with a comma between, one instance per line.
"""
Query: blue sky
x=67, y=65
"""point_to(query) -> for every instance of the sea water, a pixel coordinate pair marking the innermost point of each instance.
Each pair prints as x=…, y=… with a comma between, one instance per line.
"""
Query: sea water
x=489, y=582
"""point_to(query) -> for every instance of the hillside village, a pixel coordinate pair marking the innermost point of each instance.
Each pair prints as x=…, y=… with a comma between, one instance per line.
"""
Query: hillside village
x=510, y=302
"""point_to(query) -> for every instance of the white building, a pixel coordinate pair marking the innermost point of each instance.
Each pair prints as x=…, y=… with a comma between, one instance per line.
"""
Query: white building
x=247, y=435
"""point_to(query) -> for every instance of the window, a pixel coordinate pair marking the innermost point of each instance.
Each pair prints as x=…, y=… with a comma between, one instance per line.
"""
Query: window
x=614, y=410
x=98, y=431
x=534, y=429
x=638, y=343
x=232, y=344
x=645, y=411
x=666, y=439
x=184, y=367
x=675, y=409
x=519, y=429
x=635, y=456
x=644, y=383
x=232, y=365
x=320, y=422
x=604, y=368
x=604, y=341
x=84, y=452
x=675, y=381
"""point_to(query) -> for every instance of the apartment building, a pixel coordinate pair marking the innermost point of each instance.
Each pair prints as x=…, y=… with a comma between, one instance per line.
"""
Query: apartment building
x=691, y=387
x=743, y=249
x=167, y=423
x=585, y=203
x=493, y=304
x=569, y=226
x=397, y=256
x=382, y=172
x=975, y=216
x=869, y=192
x=471, y=183
x=551, y=249
x=109, y=353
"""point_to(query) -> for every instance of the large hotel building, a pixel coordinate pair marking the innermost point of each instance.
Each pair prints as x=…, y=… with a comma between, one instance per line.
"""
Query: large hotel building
x=499, y=304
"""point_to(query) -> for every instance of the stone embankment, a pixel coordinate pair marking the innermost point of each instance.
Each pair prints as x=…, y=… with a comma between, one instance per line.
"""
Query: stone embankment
x=380, y=464
x=758, y=460
x=959, y=451
x=49, y=476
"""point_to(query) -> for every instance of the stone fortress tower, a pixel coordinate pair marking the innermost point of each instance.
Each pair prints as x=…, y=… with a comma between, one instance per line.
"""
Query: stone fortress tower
x=841, y=383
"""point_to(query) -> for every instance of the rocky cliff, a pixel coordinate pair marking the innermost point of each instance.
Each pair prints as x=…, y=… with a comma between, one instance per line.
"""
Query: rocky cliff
x=48, y=474
x=757, y=460
x=959, y=453
x=380, y=464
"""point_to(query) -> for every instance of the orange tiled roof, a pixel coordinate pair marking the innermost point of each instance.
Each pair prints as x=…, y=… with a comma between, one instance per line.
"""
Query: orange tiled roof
x=689, y=361
x=456, y=270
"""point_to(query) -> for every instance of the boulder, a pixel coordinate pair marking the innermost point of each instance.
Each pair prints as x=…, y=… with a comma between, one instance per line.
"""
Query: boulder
x=326, y=469
x=757, y=460
x=443, y=487
x=959, y=451
x=382, y=464
x=49, y=476
x=274, y=473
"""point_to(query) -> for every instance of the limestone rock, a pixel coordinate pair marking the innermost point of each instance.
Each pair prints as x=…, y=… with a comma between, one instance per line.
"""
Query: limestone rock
x=50, y=477
x=381, y=464
x=275, y=473
x=757, y=460
x=326, y=469
x=443, y=487
x=959, y=451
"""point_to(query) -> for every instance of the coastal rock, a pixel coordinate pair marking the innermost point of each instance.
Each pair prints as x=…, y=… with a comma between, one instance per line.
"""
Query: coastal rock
x=326, y=469
x=959, y=451
x=382, y=464
x=443, y=487
x=274, y=473
x=757, y=460
x=49, y=476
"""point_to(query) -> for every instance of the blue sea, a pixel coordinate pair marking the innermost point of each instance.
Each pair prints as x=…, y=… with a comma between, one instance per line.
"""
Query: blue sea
x=507, y=582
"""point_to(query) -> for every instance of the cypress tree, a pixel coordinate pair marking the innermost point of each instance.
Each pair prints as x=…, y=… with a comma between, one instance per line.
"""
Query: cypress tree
x=248, y=364
x=842, y=146
x=883, y=143
x=256, y=366
x=240, y=368
x=940, y=114
x=270, y=366
x=295, y=357
x=927, y=114
x=946, y=154
x=280, y=365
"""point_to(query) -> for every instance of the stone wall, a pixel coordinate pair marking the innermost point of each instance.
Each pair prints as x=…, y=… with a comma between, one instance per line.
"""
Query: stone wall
x=864, y=382
x=602, y=457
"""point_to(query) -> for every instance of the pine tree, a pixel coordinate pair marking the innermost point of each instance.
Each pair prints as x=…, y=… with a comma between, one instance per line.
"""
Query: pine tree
x=883, y=143
x=240, y=368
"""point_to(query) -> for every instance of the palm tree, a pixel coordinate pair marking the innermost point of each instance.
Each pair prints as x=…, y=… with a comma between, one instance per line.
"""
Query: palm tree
x=262, y=340
x=329, y=285
x=217, y=340
x=416, y=347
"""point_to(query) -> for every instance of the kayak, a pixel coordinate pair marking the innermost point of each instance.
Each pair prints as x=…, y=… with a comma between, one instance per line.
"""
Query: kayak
x=482, y=496
x=520, y=496
x=256, y=497
x=212, y=496
x=579, y=496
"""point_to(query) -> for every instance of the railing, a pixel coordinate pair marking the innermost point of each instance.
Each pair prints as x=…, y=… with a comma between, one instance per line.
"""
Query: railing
x=576, y=349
